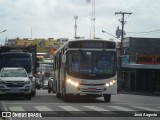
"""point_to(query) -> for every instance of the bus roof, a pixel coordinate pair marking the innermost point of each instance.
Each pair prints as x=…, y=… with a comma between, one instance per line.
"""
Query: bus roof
x=90, y=40
x=80, y=40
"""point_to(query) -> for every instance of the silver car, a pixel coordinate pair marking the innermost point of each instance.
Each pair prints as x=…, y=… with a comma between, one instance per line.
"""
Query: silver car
x=15, y=81
x=45, y=84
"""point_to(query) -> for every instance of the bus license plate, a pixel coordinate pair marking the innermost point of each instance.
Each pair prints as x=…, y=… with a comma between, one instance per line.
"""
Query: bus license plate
x=92, y=89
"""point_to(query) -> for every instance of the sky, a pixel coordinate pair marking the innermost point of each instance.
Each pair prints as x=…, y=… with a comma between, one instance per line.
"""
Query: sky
x=55, y=18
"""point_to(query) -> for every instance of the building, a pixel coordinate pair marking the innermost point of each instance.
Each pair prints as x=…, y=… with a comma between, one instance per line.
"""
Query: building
x=43, y=45
x=140, y=64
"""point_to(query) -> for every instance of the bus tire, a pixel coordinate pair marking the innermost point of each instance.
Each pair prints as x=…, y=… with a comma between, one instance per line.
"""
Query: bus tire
x=58, y=95
x=66, y=98
x=49, y=90
x=107, y=97
x=53, y=91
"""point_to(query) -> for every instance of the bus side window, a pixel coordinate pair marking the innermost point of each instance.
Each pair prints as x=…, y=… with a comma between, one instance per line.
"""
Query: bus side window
x=56, y=62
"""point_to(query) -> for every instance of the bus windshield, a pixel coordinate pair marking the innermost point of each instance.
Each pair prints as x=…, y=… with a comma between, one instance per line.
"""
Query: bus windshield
x=97, y=64
x=16, y=60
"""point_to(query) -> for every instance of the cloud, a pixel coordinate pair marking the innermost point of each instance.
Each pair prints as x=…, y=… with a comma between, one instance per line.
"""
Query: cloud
x=55, y=18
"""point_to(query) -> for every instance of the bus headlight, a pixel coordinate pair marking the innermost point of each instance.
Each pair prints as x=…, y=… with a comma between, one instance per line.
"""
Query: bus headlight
x=107, y=84
x=69, y=80
x=114, y=81
x=73, y=83
x=76, y=84
x=110, y=83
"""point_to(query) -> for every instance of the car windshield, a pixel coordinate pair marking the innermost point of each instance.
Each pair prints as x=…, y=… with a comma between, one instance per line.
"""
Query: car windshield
x=92, y=63
x=13, y=73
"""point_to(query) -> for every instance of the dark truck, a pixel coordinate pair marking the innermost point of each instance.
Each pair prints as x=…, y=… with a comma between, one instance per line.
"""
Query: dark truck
x=13, y=56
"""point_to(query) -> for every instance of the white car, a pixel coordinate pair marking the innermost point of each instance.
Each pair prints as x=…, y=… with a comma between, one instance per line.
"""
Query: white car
x=15, y=81
x=45, y=84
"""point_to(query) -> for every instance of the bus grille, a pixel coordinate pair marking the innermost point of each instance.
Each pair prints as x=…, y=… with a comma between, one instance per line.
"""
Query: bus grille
x=89, y=90
x=92, y=84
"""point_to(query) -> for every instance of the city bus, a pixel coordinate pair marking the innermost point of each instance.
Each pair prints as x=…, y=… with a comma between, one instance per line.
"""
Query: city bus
x=85, y=67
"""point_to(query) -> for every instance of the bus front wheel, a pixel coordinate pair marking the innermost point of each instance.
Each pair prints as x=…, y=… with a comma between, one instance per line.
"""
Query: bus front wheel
x=58, y=95
x=66, y=97
x=107, y=97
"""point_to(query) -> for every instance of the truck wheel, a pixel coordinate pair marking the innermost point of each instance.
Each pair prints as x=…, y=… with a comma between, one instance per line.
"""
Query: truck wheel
x=38, y=87
x=0, y=97
x=66, y=98
x=107, y=97
x=28, y=97
x=33, y=93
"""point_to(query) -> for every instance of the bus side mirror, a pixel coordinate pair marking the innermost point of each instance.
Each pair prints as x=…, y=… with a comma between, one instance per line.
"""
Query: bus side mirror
x=63, y=58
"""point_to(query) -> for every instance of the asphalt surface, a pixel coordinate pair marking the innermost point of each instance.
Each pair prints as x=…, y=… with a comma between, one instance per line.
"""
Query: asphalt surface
x=125, y=100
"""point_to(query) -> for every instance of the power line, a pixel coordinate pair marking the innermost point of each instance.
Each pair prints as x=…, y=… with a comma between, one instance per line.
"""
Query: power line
x=144, y=32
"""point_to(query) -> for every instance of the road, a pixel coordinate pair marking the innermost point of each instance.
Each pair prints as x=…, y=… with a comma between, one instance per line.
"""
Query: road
x=47, y=106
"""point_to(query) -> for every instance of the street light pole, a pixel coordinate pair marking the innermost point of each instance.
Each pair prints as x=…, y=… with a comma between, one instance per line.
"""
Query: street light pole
x=75, y=26
x=109, y=34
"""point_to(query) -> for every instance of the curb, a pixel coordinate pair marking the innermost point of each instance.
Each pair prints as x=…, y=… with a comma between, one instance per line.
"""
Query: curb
x=0, y=115
x=140, y=93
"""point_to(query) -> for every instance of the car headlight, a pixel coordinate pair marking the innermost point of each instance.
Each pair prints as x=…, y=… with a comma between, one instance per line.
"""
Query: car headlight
x=27, y=82
x=2, y=82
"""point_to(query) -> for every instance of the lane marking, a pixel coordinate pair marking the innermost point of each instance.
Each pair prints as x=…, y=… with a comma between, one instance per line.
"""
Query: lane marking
x=69, y=108
x=96, y=108
x=93, y=103
x=5, y=109
x=17, y=108
x=145, y=108
x=43, y=108
x=121, y=108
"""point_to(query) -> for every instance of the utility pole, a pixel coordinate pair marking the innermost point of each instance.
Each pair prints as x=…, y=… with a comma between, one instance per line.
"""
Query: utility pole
x=93, y=19
x=121, y=46
x=75, y=26
x=123, y=22
x=31, y=33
